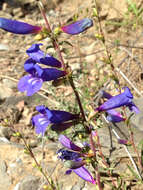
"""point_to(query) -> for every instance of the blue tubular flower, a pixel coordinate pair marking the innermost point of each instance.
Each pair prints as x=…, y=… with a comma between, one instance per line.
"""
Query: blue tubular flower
x=105, y=94
x=114, y=116
x=73, y=159
x=63, y=126
x=37, y=75
x=68, y=155
x=18, y=27
x=78, y=27
x=84, y=174
x=47, y=117
x=39, y=56
x=123, y=141
x=123, y=99
x=66, y=142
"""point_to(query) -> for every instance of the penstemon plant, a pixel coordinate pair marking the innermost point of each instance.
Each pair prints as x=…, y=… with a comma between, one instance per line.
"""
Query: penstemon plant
x=41, y=68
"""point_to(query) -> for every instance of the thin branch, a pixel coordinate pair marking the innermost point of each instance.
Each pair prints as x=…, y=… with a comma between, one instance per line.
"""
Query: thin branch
x=86, y=55
x=133, y=57
x=126, y=149
x=133, y=44
x=118, y=137
x=132, y=85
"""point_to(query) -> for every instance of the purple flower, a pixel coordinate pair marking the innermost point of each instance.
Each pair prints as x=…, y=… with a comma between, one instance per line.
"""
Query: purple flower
x=78, y=27
x=18, y=27
x=73, y=159
x=105, y=94
x=114, y=116
x=123, y=141
x=123, y=99
x=33, y=82
x=63, y=126
x=47, y=117
x=39, y=56
x=66, y=142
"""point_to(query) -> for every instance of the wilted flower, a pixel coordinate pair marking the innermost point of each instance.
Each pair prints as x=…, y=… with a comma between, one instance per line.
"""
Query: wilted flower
x=47, y=117
x=123, y=99
x=37, y=75
x=18, y=27
x=78, y=26
x=73, y=159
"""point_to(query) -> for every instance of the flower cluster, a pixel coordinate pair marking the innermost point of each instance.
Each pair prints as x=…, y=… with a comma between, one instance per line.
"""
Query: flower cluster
x=53, y=117
x=74, y=159
x=32, y=82
x=122, y=99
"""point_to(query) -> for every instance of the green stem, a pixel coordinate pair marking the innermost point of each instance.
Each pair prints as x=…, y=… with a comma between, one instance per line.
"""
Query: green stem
x=36, y=162
x=57, y=48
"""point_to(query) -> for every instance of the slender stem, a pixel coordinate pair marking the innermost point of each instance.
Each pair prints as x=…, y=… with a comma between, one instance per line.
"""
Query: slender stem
x=79, y=103
x=103, y=159
x=57, y=48
x=103, y=36
x=36, y=162
x=55, y=43
x=126, y=149
x=77, y=97
x=98, y=179
x=104, y=43
x=132, y=141
x=41, y=7
x=92, y=145
x=134, y=147
x=133, y=162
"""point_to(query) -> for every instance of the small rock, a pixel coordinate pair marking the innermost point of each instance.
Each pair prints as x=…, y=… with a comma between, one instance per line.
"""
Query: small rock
x=89, y=50
x=79, y=185
x=5, y=180
x=51, y=4
x=6, y=132
x=18, y=2
x=9, y=83
x=33, y=143
x=52, y=13
x=4, y=140
x=17, y=186
x=28, y=183
x=4, y=6
x=51, y=146
x=18, y=12
x=3, y=166
x=6, y=9
x=15, y=168
x=104, y=11
x=5, y=92
x=75, y=67
x=3, y=47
